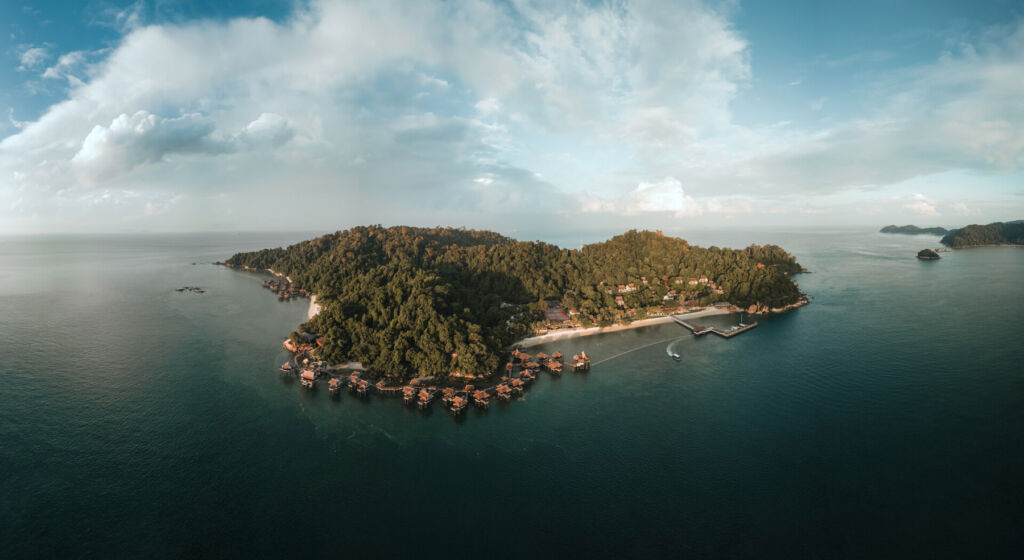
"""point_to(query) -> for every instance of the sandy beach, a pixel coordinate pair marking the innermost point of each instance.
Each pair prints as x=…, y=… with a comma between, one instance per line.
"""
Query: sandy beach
x=314, y=307
x=573, y=333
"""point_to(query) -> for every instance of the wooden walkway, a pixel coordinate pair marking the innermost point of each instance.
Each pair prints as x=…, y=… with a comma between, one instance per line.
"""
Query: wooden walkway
x=699, y=330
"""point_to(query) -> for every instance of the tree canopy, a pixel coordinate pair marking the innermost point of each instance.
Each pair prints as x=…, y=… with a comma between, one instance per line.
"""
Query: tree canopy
x=406, y=300
x=997, y=233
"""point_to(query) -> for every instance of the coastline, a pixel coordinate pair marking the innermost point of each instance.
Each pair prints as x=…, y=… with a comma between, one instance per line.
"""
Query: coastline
x=987, y=245
x=575, y=333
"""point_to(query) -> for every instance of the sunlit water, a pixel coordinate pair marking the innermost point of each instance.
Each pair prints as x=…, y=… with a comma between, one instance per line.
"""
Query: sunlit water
x=883, y=419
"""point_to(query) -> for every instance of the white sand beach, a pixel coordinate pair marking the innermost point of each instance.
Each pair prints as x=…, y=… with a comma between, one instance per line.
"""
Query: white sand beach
x=573, y=333
x=314, y=307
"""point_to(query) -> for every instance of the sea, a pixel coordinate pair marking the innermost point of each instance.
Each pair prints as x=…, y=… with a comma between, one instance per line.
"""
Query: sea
x=885, y=419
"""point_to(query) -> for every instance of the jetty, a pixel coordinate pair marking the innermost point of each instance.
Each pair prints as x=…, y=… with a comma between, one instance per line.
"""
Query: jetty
x=700, y=330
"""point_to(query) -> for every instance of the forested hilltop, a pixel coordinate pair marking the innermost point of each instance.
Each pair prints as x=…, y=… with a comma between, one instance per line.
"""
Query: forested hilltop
x=913, y=230
x=406, y=300
x=997, y=233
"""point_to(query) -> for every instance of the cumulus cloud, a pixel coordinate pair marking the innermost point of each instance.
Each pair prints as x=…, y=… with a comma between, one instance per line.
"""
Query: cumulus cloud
x=269, y=129
x=666, y=196
x=477, y=107
x=140, y=138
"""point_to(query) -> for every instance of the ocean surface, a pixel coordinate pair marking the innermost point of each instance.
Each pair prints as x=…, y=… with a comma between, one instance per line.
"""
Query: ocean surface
x=886, y=419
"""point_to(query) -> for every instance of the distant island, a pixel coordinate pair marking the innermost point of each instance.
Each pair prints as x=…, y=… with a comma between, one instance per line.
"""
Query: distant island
x=994, y=234
x=410, y=302
x=913, y=230
x=928, y=255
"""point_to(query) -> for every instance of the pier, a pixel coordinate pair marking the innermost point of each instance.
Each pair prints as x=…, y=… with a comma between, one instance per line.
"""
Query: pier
x=699, y=330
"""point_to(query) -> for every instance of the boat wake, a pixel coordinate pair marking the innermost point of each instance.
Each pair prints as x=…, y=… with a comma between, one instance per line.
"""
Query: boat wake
x=630, y=351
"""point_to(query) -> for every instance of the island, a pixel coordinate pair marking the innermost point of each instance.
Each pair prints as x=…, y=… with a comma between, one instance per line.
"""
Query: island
x=913, y=230
x=927, y=255
x=992, y=235
x=408, y=303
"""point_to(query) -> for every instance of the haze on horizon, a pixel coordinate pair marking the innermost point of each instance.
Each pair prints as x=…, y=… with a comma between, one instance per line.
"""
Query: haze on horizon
x=508, y=115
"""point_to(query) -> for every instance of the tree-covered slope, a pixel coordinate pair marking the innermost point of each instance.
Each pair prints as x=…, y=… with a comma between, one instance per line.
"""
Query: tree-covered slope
x=408, y=300
x=997, y=233
x=913, y=230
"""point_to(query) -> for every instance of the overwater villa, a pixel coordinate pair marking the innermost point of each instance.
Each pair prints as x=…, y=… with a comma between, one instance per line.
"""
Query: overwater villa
x=481, y=399
x=308, y=378
x=408, y=394
x=458, y=405
x=334, y=387
x=425, y=397
x=353, y=382
x=581, y=362
x=503, y=391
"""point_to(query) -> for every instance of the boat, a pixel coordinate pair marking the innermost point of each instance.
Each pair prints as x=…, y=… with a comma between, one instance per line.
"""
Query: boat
x=676, y=357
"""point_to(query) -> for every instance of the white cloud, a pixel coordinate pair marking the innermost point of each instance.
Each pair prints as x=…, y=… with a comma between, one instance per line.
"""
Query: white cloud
x=133, y=140
x=488, y=107
x=527, y=104
x=66, y=64
x=961, y=209
x=921, y=204
x=269, y=129
x=32, y=57
x=666, y=196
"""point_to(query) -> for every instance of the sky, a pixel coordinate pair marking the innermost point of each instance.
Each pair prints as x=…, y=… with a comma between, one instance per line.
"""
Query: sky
x=515, y=116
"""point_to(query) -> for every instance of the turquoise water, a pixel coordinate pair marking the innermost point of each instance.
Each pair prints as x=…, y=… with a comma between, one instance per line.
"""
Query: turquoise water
x=882, y=420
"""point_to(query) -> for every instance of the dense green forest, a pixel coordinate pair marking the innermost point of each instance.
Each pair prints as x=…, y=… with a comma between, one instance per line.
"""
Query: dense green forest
x=998, y=233
x=913, y=230
x=406, y=300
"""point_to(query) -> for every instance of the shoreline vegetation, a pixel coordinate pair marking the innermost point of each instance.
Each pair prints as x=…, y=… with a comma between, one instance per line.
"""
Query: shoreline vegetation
x=996, y=234
x=445, y=305
x=914, y=230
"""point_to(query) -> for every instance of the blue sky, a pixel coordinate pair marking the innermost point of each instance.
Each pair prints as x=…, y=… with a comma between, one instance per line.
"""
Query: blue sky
x=513, y=115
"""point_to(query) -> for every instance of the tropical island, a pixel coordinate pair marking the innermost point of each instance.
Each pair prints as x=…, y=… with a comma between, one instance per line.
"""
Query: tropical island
x=994, y=234
x=407, y=302
x=913, y=230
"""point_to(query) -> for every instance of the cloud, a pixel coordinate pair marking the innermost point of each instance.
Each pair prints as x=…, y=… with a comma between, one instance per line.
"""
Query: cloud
x=961, y=209
x=140, y=138
x=269, y=129
x=213, y=105
x=666, y=196
x=920, y=204
x=961, y=112
x=66, y=64
x=32, y=57
x=475, y=107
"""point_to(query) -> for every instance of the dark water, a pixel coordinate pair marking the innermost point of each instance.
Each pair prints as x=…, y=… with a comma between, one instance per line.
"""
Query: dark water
x=885, y=419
